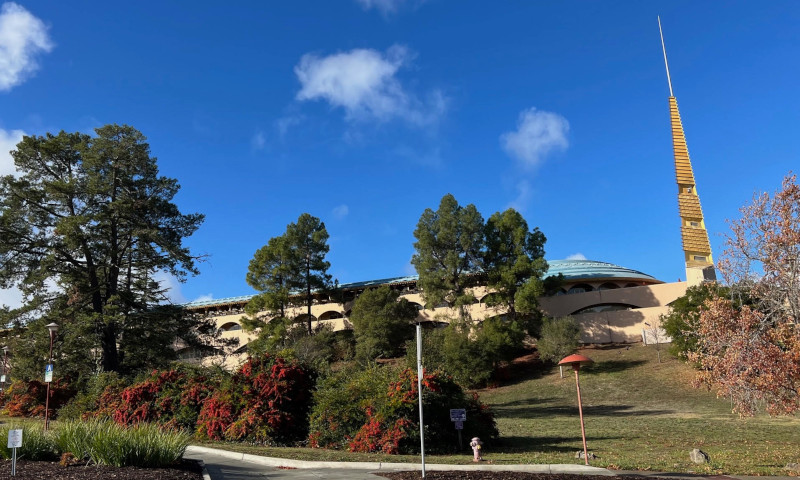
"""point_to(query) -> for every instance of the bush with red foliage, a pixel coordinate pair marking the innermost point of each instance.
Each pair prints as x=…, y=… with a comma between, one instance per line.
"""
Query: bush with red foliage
x=376, y=410
x=27, y=398
x=172, y=398
x=266, y=401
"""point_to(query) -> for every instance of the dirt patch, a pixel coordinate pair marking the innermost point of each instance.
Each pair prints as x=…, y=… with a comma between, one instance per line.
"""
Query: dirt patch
x=187, y=470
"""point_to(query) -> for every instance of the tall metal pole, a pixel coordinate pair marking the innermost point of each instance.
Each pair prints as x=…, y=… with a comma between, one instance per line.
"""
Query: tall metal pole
x=669, y=79
x=5, y=367
x=47, y=397
x=419, y=390
x=577, y=367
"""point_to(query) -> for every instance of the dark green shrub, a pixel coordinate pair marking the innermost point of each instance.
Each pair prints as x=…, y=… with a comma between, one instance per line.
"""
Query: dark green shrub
x=88, y=401
x=376, y=410
x=680, y=323
x=560, y=337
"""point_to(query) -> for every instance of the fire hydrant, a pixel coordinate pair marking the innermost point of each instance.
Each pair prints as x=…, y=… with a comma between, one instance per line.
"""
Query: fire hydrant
x=476, y=449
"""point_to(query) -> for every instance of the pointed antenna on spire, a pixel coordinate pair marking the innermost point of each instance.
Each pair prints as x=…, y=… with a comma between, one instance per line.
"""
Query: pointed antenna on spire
x=669, y=80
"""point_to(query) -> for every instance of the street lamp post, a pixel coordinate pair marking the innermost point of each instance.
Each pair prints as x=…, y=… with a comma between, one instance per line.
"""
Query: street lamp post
x=5, y=367
x=52, y=328
x=576, y=361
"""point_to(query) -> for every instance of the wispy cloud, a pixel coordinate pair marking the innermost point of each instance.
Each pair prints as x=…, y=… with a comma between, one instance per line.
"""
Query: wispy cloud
x=577, y=256
x=283, y=124
x=204, y=298
x=258, y=141
x=538, y=133
x=386, y=7
x=363, y=82
x=340, y=212
x=524, y=192
x=8, y=142
x=23, y=38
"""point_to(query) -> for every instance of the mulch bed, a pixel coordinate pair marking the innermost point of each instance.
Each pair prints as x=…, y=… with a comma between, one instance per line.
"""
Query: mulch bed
x=187, y=470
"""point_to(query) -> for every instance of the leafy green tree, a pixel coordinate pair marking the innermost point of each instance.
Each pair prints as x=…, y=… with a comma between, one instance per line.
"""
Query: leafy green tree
x=85, y=229
x=500, y=339
x=560, y=337
x=681, y=321
x=448, y=253
x=514, y=264
x=381, y=323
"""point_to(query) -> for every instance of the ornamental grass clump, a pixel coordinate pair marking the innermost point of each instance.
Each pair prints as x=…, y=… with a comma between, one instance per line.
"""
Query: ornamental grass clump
x=106, y=443
x=36, y=443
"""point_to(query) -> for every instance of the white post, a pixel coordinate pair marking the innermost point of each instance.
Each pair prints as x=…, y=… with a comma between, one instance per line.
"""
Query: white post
x=419, y=390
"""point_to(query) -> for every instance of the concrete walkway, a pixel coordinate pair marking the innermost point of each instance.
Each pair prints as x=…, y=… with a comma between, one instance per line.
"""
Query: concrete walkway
x=226, y=465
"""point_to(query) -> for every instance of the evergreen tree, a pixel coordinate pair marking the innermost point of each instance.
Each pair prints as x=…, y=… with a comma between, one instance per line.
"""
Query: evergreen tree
x=448, y=253
x=514, y=263
x=85, y=228
x=381, y=323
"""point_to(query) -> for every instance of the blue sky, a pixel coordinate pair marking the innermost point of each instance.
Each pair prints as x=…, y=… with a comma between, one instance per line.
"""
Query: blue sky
x=366, y=112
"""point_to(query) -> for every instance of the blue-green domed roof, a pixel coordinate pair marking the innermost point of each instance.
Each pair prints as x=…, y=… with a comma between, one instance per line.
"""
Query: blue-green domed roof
x=590, y=269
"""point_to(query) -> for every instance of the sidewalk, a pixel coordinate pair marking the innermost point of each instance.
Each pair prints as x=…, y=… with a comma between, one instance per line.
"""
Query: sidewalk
x=226, y=465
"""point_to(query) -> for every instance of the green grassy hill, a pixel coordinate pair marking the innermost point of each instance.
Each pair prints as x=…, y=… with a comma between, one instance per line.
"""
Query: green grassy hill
x=639, y=414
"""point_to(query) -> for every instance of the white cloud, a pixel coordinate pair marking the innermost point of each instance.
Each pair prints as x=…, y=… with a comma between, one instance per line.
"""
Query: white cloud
x=340, y=212
x=11, y=297
x=538, y=133
x=22, y=38
x=204, y=298
x=259, y=141
x=172, y=286
x=386, y=7
x=8, y=142
x=577, y=256
x=363, y=82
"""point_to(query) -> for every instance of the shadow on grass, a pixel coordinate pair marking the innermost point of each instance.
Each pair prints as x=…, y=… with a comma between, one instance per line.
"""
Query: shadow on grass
x=611, y=366
x=515, y=444
x=524, y=409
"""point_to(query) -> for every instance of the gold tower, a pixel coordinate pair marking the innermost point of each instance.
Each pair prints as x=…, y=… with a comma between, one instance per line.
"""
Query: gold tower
x=696, y=247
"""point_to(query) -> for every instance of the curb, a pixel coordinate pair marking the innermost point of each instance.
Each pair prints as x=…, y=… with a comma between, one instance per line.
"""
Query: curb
x=389, y=466
x=206, y=475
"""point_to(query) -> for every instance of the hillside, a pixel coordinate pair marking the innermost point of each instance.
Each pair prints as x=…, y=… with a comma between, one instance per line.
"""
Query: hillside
x=639, y=414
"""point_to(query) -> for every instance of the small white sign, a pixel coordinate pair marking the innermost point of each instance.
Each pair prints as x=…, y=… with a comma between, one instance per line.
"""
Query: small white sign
x=14, y=438
x=2, y=379
x=457, y=414
x=48, y=373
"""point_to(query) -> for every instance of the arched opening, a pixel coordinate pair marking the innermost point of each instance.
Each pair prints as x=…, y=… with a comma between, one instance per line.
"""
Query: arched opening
x=631, y=285
x=331, y=314
x=608, y=286
x=580, y=288
x=230, y=327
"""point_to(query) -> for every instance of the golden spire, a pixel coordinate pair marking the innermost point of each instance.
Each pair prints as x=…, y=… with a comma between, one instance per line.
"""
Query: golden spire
x=696, y=247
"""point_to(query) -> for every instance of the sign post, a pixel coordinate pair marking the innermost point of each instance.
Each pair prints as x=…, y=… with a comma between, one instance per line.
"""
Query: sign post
x=458, y=416
x=48, y=373
x=14, y=442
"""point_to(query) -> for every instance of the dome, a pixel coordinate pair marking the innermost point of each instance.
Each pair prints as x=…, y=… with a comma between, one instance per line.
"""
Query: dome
x=592, y=269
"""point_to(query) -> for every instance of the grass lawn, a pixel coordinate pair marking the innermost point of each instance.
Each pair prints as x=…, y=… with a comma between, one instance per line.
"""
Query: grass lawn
x=640, y=415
